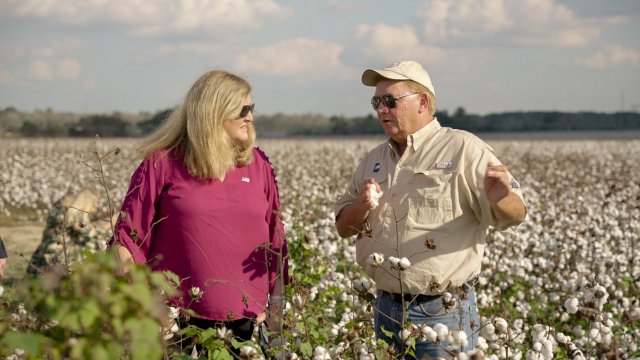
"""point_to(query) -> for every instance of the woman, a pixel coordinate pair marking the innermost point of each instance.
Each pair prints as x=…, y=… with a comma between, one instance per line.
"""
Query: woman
x=204, y=205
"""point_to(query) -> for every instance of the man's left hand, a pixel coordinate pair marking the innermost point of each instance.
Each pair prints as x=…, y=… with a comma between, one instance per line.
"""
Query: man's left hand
x=496, y=183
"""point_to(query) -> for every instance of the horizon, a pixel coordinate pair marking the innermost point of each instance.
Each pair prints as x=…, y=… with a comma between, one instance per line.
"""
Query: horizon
x=486, y=56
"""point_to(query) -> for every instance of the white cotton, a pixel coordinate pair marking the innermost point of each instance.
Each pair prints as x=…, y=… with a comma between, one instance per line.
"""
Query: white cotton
x=571, y=304
x=459, y=338
x=405, y=335
x=174, y=312
x=533, y=355
x=537, y=346
x=362, y=284
x=500, y=324
x=404, y=263
x=429, y=334
x=488, y=331
x=482, y=343
x=375, y=260
x=248, y=351
x=394, y=261
x=374, y=195
x=320, y=353
x=442, y=330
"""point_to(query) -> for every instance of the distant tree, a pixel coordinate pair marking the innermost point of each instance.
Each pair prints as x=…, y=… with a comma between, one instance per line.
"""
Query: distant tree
x=339, y=125
x=153, y=122
x=29, y=129
x=103, y=125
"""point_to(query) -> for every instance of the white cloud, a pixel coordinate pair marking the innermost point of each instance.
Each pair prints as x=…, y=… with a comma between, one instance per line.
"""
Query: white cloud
x=521, y=22
x=293, y=57
x=41, y=70
x=391, y=44
x=5, y=76
x=53, y=48
x=191, y=47
x=47, y=70
x=613, y=56
x=344, y=6
x=68, y=69
x=89, y=85
x=154, y=17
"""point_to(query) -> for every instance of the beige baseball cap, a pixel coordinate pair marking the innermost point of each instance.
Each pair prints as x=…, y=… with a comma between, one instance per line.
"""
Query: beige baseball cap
x=402, y=70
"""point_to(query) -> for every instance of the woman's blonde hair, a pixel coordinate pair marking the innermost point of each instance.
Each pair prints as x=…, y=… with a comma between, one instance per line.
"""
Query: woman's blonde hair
x=195, y=128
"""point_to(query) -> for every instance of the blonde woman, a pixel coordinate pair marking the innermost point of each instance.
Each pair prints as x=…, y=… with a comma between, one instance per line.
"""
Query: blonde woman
x=204, y=205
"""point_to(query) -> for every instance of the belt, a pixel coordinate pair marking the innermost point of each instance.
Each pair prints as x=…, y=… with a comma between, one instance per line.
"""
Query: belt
x=420, y=298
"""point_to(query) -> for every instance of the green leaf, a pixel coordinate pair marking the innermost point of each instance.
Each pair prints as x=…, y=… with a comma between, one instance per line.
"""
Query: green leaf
x=306, y=349
x=31, y=343
x=222, y=354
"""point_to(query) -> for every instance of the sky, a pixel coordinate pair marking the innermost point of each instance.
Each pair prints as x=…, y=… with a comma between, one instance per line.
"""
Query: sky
x=486, y=56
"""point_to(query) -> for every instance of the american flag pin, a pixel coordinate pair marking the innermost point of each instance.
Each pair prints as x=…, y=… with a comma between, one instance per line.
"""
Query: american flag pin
x=246, y=179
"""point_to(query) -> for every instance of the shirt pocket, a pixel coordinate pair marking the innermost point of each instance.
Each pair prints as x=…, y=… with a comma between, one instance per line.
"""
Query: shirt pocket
x=430, y=204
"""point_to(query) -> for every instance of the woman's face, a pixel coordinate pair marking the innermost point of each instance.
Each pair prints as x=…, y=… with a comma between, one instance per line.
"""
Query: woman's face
x=238, y=128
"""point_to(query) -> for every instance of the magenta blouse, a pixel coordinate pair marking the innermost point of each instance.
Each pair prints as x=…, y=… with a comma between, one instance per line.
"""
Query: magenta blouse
x=223, y=237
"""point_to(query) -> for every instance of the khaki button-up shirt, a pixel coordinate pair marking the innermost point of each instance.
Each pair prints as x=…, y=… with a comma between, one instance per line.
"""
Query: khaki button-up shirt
x=433, y=209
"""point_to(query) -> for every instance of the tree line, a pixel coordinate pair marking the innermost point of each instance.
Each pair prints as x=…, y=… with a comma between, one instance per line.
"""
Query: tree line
x=51, y=124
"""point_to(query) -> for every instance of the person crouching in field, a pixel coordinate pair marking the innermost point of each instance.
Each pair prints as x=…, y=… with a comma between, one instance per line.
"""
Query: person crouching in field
x=421, y=204
x=204, y=204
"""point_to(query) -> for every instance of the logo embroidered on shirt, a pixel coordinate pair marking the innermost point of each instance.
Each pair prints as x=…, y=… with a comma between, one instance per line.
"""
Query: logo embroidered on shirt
x=246, y=179
x=376, y=167
x=514, y=184
x=444, y=165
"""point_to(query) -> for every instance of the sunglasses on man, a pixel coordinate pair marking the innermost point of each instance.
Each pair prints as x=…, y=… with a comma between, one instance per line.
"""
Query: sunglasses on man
x=387, y=100
x=246, y=109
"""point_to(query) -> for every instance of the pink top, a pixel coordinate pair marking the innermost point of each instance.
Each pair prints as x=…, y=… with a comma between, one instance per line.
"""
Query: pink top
x=221, y=236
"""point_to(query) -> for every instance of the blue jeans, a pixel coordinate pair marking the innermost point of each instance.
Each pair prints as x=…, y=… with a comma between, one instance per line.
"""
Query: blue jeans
x=388, y=315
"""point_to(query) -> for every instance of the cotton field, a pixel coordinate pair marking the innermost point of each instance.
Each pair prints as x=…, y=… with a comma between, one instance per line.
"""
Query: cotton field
x=564, y=284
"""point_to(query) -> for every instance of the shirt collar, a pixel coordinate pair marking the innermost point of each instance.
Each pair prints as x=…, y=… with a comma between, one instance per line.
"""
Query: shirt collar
x=417, y=139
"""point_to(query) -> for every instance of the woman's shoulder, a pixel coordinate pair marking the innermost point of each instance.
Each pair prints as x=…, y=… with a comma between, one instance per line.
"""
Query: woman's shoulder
x=163, y=158
x=260, y=156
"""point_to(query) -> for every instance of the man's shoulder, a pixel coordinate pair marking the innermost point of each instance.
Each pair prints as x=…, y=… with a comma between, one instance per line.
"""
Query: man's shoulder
x=378, y=152
x=463, y=138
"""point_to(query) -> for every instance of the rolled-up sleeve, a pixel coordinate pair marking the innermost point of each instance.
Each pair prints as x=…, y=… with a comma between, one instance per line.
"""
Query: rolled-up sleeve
x=134, y=226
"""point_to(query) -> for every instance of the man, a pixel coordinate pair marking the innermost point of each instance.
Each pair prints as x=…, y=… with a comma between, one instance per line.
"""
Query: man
x=440, y=189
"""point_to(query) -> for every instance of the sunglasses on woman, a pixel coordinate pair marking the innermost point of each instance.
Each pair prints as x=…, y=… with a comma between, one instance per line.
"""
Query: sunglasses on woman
x=246, y=109
x=387, y=100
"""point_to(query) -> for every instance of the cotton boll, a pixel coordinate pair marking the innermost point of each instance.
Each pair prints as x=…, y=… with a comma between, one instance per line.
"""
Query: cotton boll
x=571, y=304
x=430, y=334
x=394, y=261
x=488, y=331
x=442, y=330
x=404, y=263
x=459, y=338
x=405, y=335
x=375, y=260
x=500, y=324
x=374, y=195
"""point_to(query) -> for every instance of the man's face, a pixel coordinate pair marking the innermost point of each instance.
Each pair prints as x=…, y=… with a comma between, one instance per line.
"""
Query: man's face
x=402, y=120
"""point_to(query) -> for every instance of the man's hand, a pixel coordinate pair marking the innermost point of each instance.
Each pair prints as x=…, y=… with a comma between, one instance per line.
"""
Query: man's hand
x=350, y=220
x=506, y=205
x=496, y=183
x=369, y=194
